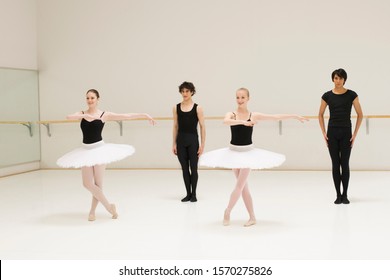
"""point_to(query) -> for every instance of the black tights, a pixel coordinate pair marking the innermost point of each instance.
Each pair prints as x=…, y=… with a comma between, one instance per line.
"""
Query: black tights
x=339, y=145
x=187, y=146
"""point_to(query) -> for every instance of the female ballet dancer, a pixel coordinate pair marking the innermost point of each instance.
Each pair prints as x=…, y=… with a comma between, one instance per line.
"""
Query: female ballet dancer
x=241, y=156
x=186, y=116
x=94, y=154
x=339, y=137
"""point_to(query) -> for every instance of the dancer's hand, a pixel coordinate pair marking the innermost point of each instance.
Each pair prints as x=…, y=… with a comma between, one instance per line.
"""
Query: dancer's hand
x=302, y=119
x=151, y=120
x=250, y=123
x=174, y=150
x=352, y=140
x=200, y=151
x=326, y=139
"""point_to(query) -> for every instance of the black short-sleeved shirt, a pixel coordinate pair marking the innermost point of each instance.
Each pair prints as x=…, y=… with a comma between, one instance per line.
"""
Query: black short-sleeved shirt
x=340, y=106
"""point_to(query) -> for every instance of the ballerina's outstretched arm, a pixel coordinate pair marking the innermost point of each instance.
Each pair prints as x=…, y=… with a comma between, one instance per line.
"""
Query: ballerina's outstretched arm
x=275, y=117
x=109, y=116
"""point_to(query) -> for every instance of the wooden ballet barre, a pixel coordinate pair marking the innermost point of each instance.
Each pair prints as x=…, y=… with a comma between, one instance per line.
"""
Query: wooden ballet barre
x=48, y=123
x=367, y=117
x=120, y=123
x=378, y=116
x=26, y=124
x=58, y=121
x=14, y=122
x=170, y=118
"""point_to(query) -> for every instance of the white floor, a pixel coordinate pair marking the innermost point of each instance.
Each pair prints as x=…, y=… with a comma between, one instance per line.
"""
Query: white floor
x=43, y=215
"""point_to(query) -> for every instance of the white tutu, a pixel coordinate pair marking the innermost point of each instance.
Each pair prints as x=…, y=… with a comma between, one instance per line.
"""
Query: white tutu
x=95, y=154
x=241, y=157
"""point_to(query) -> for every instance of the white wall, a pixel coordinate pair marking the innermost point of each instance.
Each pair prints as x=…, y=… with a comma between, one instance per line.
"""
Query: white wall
x=136, y=53
x=18, y=29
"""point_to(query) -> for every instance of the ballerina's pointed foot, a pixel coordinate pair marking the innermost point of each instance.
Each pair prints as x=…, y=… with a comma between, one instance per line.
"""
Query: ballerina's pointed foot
x=249, y=223
x=226, y=218
x=91, y=217
x=113, y=212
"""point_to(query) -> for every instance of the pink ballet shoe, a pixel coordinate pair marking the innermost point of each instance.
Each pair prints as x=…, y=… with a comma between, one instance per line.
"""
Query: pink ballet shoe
x=91, y=217
x=226, y=218
x=249, y=223
x=113, y=212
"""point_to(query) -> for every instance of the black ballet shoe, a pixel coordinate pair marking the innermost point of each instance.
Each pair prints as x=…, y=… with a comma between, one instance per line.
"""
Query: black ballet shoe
x=338, y=200
x=187, y=198
x=193, y=198
x=344, y=199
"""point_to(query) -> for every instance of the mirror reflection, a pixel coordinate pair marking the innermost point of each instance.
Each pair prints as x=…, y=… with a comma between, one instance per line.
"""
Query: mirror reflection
x=19, y=113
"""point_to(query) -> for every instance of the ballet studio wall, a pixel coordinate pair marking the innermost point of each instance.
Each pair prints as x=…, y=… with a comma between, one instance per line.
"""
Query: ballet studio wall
x=137, y=52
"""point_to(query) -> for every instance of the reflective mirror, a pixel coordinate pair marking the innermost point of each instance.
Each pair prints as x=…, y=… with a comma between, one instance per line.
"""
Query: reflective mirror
x=19, y=114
